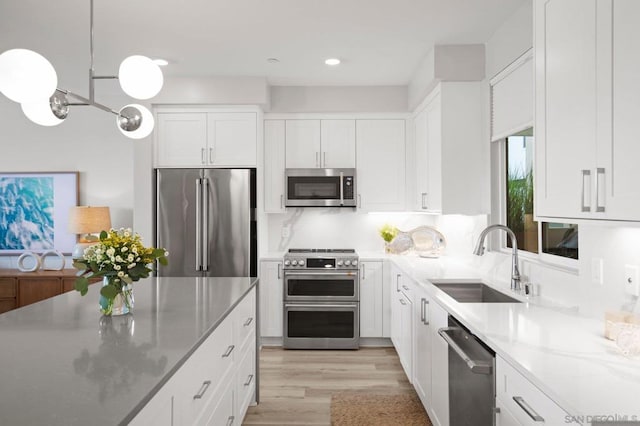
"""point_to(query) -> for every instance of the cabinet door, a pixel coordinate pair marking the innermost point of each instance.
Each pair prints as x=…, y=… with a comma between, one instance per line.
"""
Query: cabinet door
x=432, y=199
x=271, y=293
x=302, y=143
x=405, y=351
x=421, y=160
x=422, y=347
x=181, y=140
x=565, y=119
x=274, y=166
x=338, y=143
x=380, y=154
x=439, y=367
x=371, y=315
x=504, y=416
x=395, y=295
x=32, y=290
x=619, y=151
x=232, y=139
x=159, y=410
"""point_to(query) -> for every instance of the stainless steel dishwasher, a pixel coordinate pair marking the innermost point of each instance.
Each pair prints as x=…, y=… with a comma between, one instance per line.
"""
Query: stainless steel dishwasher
x=471, y=377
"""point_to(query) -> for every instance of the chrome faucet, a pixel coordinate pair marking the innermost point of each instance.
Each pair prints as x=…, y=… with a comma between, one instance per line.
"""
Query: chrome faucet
x=479, y=251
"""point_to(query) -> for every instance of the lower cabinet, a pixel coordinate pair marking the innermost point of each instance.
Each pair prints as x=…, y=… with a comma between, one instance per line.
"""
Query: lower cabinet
x=371, y=298
x=216, y=384
x=271, y=294
x=438, y=318
x=401, y=321
x=422, y=346
x=521, y=402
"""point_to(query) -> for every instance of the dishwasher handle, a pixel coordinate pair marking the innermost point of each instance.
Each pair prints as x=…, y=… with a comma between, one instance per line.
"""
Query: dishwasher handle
x=475, y=365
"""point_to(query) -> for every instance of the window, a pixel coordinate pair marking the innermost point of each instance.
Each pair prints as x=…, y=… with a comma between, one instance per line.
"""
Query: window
x=550, y=239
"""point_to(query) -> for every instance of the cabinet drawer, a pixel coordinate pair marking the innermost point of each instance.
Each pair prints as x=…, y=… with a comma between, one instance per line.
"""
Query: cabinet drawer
x=245, y=380
x=7, y=287
x=245, y=319
x=204, y=373
x=7, y=305
x=528, y=404
x=221, y=410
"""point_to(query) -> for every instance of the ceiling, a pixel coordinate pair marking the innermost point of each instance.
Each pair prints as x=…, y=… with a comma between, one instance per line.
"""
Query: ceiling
x=381, y=42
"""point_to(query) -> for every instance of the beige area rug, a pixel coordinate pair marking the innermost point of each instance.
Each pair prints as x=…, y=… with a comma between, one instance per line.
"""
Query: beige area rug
x=360, y=409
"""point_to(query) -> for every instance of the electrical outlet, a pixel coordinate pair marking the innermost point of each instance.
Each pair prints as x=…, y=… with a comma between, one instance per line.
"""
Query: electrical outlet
x=631, y=283
x=286, y=231
x=596, y=271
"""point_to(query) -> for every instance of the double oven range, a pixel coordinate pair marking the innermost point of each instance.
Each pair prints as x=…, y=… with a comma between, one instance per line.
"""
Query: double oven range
x=321, y=299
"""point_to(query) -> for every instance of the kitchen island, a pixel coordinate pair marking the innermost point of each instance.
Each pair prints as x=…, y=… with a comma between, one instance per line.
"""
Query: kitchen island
x=63, y=363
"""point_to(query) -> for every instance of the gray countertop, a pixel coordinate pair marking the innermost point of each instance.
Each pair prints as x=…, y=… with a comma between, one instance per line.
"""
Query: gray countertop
x=63, y=363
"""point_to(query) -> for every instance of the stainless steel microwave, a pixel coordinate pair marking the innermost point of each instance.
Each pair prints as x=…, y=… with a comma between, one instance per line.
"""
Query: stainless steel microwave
x=320, y=187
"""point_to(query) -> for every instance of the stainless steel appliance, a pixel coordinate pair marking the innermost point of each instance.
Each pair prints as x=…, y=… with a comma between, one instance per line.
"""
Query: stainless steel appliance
x=471, y=377
x=320, y=187
x=321, y=299
x=205, y=218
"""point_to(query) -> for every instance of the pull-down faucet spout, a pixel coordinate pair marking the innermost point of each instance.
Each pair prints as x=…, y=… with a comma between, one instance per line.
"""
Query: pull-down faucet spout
x=479, y=251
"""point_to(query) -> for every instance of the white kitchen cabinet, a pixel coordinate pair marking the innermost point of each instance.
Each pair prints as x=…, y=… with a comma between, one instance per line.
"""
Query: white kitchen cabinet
x=438, y=318
x=320, y=143
x=402, y=320
x=451, y=155
x=422, y=346
x=213, y=385
x=271, y=294
x=380, y=157
x=181, y=139
x=586, y=109
x=206, y=139
x=371, y=298
x=523, y=400
x=504, y=417
x=274, y=154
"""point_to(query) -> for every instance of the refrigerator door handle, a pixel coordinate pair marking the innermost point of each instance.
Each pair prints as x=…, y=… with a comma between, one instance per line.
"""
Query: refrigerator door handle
x=198, y=224
x=205, y=224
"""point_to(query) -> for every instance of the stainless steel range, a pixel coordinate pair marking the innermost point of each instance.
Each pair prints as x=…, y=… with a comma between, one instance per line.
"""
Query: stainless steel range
x=321, y=299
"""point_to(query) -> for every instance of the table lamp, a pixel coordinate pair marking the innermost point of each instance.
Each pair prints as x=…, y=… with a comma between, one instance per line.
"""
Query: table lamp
x=86, y=221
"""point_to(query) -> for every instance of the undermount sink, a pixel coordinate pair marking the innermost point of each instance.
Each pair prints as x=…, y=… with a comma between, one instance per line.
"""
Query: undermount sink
x=467, y=292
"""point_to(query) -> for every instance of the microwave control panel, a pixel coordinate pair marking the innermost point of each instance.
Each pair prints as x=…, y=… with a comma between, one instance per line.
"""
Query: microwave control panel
x=348, y=187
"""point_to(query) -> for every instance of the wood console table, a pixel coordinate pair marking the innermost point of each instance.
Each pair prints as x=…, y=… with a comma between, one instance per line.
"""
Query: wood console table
x=19, y=289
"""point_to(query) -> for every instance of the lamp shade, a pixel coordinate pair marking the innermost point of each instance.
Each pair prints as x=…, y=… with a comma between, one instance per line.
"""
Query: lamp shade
x=26, y=76
x=40, y=113
x=89, y=220
x=140, y=77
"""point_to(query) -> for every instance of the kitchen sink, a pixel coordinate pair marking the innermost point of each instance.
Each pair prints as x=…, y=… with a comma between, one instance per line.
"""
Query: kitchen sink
x=470, y=292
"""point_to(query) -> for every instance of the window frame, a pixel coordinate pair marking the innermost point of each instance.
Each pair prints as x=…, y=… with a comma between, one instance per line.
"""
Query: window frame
x=498, y=241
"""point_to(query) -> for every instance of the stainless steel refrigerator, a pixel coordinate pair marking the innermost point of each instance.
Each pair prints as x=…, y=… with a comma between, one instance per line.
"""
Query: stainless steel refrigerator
x=205, y=218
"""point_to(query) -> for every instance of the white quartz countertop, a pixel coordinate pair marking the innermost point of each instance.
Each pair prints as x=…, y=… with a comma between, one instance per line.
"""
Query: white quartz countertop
x=563, y=353
x=63, y=363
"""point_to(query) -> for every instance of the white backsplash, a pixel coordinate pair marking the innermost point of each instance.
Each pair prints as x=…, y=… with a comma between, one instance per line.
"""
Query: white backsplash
x=345, y=228
x=617, y=246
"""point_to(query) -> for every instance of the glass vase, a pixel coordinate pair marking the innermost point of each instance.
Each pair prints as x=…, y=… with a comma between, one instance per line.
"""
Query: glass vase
x=122, y=304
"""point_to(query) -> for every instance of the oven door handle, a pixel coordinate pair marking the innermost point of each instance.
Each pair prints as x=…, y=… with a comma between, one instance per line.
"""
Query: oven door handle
x=317, y=274
x=306, y=305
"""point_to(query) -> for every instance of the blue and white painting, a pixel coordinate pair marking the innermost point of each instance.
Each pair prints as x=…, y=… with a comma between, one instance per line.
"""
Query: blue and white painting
x=34, y=211
x=26, y=213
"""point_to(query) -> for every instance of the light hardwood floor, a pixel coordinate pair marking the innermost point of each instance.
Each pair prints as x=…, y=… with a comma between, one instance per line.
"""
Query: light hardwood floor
x=296, y=385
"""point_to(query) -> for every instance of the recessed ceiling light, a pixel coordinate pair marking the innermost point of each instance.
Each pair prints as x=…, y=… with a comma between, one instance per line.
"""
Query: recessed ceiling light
x=273, y=60
x=161, y=62
x=332, y=61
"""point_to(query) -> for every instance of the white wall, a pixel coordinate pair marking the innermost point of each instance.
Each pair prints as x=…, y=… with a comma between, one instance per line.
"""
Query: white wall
x=88, y=142
x=338, y=99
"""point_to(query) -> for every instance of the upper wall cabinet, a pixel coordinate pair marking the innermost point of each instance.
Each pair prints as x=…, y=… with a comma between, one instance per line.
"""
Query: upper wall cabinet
x=274, y=147
x=380, y=151
x=320, y=143
x=587, y=111
x=451, y=155
x=206, y=139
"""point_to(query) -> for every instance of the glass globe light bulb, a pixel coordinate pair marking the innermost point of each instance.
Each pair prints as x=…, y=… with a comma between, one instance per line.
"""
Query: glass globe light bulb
x=140, y=77
x=26, y=76
x=50, y=112
x=135, y=121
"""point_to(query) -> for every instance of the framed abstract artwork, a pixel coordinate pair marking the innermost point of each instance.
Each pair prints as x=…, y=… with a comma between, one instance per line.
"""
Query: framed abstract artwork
x=34, y=211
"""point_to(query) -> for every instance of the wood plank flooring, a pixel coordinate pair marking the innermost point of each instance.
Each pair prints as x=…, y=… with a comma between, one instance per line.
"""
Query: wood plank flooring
x=296, y=385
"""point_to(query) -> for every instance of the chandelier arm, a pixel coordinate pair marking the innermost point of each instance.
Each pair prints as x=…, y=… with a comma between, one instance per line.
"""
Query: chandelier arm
x=88, y=101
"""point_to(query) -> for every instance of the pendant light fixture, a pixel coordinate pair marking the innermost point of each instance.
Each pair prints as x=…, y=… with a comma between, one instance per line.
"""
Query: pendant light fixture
x=28, y=78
